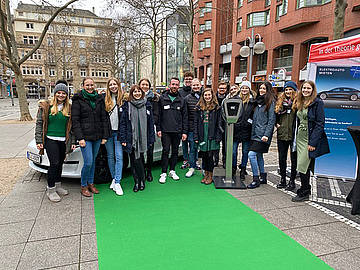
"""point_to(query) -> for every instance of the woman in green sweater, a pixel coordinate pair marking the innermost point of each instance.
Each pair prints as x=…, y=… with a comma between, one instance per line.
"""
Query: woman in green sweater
x=52, y=131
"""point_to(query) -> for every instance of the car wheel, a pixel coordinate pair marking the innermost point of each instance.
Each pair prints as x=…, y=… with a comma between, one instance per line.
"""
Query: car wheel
x=323, y=96
x=353, y=97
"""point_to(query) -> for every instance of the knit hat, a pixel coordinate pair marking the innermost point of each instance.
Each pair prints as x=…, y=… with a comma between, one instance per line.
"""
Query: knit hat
x=61, y=87
x=290, y=84
x=245, y=83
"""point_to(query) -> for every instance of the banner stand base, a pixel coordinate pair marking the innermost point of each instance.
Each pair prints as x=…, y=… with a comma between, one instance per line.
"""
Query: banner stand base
x=219, y=182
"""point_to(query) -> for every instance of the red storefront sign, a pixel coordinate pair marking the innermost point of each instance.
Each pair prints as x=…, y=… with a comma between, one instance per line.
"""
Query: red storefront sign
x=337, y=49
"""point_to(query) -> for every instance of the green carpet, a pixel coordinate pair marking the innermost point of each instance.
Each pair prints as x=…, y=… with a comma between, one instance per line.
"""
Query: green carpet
x=187, y=225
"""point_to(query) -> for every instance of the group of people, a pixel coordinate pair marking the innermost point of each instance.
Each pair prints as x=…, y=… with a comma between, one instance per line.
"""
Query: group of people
x=128, y=122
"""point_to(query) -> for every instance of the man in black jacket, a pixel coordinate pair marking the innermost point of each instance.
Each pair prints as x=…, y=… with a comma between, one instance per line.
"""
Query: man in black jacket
x=172, y=126
x=190, y=103
x=184, y=92
x=221, y=94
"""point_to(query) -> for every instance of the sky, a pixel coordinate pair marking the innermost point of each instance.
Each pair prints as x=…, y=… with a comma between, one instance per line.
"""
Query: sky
x=100, y=5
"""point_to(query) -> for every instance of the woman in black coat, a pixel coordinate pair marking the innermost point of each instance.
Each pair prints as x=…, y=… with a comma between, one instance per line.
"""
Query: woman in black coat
x=137, y=132
x=311, y=140
x=91, y=127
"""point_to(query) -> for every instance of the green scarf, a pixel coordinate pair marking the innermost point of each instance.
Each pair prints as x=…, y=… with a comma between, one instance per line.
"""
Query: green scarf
x=91, y=97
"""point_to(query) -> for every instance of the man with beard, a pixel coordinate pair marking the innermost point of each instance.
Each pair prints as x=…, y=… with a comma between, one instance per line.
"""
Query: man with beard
x=190, y=103
x=171, y=127
x=221, y=94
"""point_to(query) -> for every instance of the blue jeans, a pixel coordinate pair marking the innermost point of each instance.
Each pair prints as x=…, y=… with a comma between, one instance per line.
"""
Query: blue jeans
x=257, y=162
x=89, y=153
x=193, y=154
x=115, y=157
x=185, y=149
x=244, y=151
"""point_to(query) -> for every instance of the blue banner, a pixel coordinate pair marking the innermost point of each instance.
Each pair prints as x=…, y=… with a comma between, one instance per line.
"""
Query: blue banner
x=339, y=88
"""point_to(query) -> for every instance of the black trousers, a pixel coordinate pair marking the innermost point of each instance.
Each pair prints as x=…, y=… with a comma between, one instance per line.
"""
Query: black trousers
x=169, y=140
x=137, y=167
x=305, y=188
x=149, y=157
x=208, y=160
x=283, y=148
x=56, y=154
x=216, y=153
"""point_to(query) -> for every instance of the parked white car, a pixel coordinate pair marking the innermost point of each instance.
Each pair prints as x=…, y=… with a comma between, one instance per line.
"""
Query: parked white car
x=74, y=161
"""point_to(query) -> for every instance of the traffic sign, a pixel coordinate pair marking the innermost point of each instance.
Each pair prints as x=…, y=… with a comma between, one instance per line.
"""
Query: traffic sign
x=277, y=77
x=277, y=84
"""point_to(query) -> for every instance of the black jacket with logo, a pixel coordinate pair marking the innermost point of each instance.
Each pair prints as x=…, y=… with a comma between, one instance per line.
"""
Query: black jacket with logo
x=173, y=116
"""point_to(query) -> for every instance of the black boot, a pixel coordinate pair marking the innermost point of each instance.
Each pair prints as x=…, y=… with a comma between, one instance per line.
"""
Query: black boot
x=149, y=176
x=233, y=171
x=282, y=183
x=255, y=183
x=242, y=173
x=263, y=178
x=142, y=184
x=302, y=195
x=291, y=185
x=136, y=186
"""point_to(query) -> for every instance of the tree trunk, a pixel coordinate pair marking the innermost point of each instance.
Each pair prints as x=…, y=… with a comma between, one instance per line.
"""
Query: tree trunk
x=23, y=104
x=339, y=19
x=154, y=64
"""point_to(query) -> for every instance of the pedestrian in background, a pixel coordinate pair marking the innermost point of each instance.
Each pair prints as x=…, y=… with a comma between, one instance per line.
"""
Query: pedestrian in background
x=311, y=139
x=137, y=133
x=190, y=103
x=153, y=98
x=91, y=127
x=171, y=128
x=285, y=119
x=261, y=132
x=207, y=132
x=243, y=127
x=52, y=133
x=113, y=102
x=220, y=95
x=183, y=93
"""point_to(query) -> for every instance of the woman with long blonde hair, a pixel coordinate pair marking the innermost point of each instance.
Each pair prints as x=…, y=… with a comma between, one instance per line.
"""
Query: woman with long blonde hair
x=207, y=131
x=311, y=140
x=52, y=132
x=113, y=102
x=285, y=119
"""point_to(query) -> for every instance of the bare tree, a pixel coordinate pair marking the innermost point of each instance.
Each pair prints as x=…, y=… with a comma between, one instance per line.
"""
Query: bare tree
x=14, y=61
x=339, y=20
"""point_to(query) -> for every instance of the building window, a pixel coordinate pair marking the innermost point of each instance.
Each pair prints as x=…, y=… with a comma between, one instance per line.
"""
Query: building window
x=208, y=7
x=239, y=25
x=202, y=28
x=82, y=59
x=258, y=18
x=261, y=61
x=240, y=3
x=29, y=26
x=98, y=31
x=281, y=10
x=52, y=72
x=202, y=12
x=81, y=30
x=285, y=58
x=95, y=20
x=88, y=19
x=201, y=45
x=267, y=3
x=243, y=65
x=81, y=20
x=50, y=41
x=309, y=3
x=68, y=43
x=82, y=72
x=32, y=70
x=82, y=44
x=36, y=55
x=30, y=40
x=208, y=25
x=207, y=42
x=69, y=74
x=21, y=13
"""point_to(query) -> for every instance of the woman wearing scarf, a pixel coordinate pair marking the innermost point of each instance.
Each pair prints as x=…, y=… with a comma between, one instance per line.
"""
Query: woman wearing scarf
x=91, y=127
x=137, y=132
x=261, y=133
x=285, y=119
x=113, y=102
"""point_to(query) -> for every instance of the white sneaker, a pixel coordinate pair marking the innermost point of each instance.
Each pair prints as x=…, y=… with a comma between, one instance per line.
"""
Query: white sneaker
x=118, y=190
x=112, y=184
x=173, y=175
x=190, y=172
x=162, y=179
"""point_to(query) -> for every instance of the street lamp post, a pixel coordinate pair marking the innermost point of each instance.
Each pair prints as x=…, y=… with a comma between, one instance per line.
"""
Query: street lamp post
x=254, y=47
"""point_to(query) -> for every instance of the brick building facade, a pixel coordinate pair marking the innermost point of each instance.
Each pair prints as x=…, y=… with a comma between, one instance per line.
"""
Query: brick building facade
x=287, y=28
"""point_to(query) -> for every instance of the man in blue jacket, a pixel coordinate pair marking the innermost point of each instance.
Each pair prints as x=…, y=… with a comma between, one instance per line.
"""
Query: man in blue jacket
x=172, y=127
